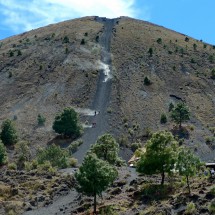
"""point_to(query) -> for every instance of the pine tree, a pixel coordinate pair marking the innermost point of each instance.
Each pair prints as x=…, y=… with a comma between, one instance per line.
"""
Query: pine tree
x=8, y=134
x=95, y=176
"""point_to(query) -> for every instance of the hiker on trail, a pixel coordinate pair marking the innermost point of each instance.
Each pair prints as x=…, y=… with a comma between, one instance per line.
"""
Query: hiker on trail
x=95, y=113
x=93, y=125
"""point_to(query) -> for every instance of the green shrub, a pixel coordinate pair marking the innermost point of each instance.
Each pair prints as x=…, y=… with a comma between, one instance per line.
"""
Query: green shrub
x=72, y=162
x=8, y=134
x=211, y=58
x=159, y=40
x=171, y=106
x=22, y=153
x=163, y=118
x=3, y=154
x=67, y=123
x=10, y=74
x=211, y=207
x=55, y=155
x=135, y=146
x=46, y=167
x=83, y=42
x=131, y=131
x=74, y=146
x=41, y=120
x=213, y=74
x=191, y=209
x=194, y=46
x=192, y=60
x=11, y=54
x=147, y=81
x=150, y=51
x=97, y=38
x=66, y=39
x=12, y=166
x=19, y=53
x=186, y=39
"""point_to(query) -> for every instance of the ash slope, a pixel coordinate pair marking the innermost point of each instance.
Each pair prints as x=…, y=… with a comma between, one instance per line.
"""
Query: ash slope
x=59, y=67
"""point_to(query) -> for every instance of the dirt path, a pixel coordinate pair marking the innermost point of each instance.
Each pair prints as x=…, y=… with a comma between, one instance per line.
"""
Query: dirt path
x=102, y=95
x=64, y=204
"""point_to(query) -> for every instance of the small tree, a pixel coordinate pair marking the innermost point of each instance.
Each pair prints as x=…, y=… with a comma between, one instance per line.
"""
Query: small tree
x=213, y=73
x=67, y=123
x=106, y=148
x=19, y=53
x=147, y=81
x=163, y=118
x=171, y=106
x=150, y=51
x=41, y=120
x=95, y=176
x=180, y=114
x=160, y=155
x=159, y=40
x=22, y=153
x=187, y=164
x=194, y=46
x=66, y=39
x=8, y=134
x=3, y=154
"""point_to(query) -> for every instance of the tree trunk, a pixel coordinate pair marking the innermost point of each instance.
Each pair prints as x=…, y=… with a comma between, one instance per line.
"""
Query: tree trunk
x=163, y=176
x=94, y=212
x=188, y=183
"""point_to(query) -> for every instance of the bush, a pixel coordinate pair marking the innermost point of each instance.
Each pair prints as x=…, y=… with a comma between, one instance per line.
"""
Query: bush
x=46, y=167
x=163, y=119
x=41, y=120
x=211, y=207
x=11, y=54
x=55, y=155
x=12, y=166
x=3, y=154
x=135, y=146
x=65, y=39
x=72, y=162
x=171, y=106
x=83, y=42
x=186, y=39
x=211, y=58
x=19, y=53
x=8, y=134
x=22, y=153
x=67, y=123
x=213, y=74
x=191, y=209
x=74, y=146
x=147, y=81
x=159, y=40
x=192, y=60
x=150, y=51
x=194, y=46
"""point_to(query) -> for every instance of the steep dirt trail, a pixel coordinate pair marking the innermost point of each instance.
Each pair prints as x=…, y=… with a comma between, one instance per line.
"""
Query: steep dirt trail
x=64, y=204
x=102, y=95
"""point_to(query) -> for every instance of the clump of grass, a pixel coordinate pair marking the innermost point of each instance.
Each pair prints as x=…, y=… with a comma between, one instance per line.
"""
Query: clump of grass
x=211, y=207
x=191, y=209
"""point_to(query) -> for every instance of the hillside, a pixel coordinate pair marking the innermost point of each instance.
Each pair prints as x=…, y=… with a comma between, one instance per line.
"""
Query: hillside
x=98, y=64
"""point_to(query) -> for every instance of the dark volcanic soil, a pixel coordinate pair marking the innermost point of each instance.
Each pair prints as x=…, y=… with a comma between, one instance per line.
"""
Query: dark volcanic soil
x=102, y=95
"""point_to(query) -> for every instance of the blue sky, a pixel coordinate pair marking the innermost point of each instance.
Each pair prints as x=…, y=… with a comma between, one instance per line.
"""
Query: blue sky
x=195, y=18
